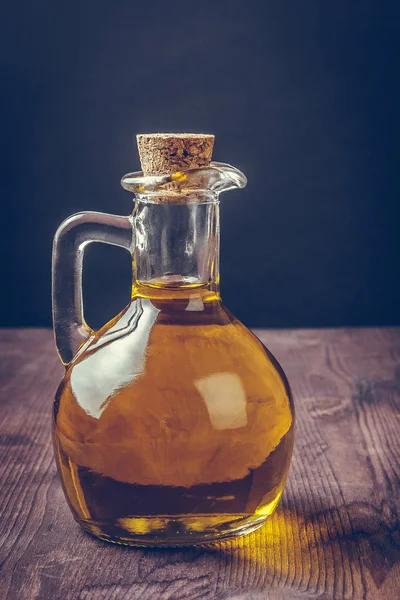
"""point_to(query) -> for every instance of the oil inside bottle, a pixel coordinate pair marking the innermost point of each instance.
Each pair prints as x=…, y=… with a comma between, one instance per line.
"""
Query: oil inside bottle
x=174, y=424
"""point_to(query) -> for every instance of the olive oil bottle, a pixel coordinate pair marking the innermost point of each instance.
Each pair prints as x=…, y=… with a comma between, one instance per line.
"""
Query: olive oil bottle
x=173, y=424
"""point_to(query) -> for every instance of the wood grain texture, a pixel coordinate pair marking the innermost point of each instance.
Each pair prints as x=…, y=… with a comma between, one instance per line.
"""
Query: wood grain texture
x=336, y=534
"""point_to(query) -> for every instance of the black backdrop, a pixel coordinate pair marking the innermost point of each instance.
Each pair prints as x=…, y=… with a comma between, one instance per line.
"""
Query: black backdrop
x=301, y=95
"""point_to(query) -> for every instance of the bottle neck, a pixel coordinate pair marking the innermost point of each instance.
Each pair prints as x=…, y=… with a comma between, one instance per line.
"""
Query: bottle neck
x=176, y=251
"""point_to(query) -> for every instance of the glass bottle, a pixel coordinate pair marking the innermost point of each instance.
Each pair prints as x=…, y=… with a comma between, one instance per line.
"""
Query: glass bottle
x=173, y=424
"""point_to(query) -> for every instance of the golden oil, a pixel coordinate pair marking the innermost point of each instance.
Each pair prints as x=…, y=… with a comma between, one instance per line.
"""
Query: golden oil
x=174, y=424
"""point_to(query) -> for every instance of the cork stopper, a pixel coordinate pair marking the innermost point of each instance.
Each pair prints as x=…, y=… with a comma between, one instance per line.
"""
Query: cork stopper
x=166, y=153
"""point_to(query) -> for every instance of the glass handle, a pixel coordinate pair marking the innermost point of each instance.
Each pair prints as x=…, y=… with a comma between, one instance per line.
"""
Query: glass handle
x=72, y=236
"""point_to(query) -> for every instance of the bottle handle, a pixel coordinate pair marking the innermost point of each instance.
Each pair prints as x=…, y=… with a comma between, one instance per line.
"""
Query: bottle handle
x=73, y=235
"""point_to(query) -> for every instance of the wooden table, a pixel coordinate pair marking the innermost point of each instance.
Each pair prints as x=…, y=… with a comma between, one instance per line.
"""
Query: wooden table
x=336, y=534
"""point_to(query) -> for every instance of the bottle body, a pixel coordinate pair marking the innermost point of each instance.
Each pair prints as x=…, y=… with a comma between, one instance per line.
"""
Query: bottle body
x=173, y=425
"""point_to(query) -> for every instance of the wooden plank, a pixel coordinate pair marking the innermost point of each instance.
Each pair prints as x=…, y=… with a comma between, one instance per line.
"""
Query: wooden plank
x=336, y=534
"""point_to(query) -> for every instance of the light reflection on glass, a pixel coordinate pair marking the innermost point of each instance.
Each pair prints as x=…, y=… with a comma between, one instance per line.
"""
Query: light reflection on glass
x=225, y=400
x=114, y=364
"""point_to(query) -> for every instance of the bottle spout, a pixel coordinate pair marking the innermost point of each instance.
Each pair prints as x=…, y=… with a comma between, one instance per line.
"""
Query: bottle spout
x=225, y=177
x=216, y=177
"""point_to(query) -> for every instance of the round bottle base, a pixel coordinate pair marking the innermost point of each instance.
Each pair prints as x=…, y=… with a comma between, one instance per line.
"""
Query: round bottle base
x=173, y=532
x=178, y=530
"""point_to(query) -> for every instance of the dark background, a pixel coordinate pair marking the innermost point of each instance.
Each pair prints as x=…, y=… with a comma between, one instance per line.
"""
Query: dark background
x=302, y=96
